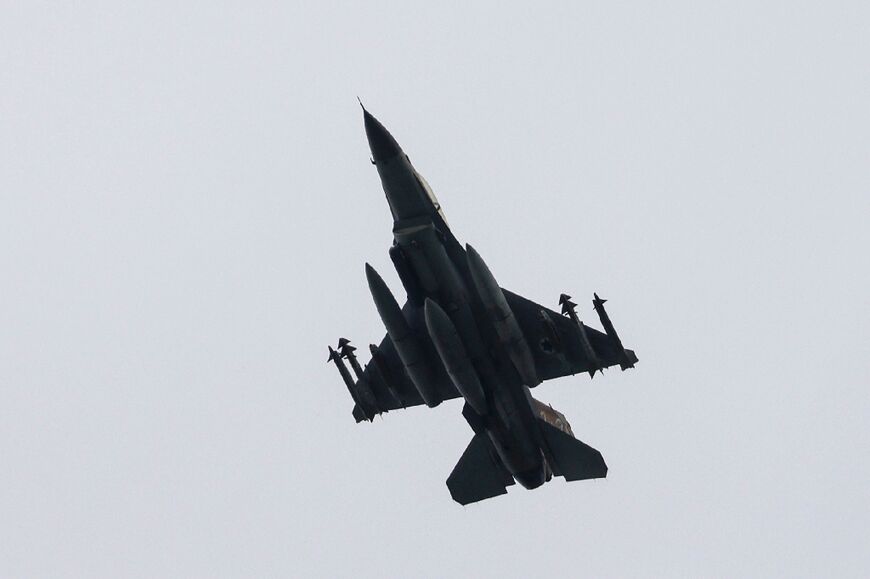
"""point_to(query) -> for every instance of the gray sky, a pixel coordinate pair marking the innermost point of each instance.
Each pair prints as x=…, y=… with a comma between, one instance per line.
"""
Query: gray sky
x=186, y=203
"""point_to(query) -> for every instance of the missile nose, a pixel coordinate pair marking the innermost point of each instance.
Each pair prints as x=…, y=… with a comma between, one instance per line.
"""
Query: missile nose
x=381, y=142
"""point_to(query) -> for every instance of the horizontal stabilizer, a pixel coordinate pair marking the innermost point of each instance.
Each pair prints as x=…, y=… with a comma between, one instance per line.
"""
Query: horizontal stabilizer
x=571, y=458
x=479, y=474
x=629, y=361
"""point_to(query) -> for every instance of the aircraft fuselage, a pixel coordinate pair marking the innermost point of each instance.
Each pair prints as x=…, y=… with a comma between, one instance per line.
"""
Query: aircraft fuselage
x=478, y=342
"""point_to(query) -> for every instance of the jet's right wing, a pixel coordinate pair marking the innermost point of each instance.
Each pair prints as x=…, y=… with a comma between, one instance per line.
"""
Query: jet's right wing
x=385, y=385
x=555, y=340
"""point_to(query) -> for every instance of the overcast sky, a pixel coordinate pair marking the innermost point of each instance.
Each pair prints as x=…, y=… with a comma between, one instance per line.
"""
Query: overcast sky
x=186, y=204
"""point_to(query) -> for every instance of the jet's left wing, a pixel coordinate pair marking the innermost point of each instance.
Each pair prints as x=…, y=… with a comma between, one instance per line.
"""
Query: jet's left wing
x=556, y=341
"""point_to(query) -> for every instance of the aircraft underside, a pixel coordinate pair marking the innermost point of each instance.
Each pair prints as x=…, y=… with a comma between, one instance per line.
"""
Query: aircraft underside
x=459, y=334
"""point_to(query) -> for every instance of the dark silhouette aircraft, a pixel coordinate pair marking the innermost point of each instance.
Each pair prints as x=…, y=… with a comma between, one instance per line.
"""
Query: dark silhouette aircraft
x=461, y=335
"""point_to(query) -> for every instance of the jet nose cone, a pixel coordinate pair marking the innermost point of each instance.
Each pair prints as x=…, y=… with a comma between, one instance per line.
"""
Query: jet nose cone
x=381, y=142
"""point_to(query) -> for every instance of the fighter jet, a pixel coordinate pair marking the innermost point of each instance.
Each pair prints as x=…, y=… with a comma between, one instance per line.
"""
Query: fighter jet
x=460, y=335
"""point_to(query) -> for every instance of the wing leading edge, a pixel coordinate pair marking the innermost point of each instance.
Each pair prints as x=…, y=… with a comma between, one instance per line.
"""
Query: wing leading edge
x=557, y=342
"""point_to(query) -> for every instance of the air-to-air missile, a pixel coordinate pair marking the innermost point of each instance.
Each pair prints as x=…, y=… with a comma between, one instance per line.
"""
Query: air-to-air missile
x=454, y=356
x=506, y=325
x=407, y=346
x=569, y=309
x=625, y=361
x=363, y=389
x=347, y=351
x=348, y=381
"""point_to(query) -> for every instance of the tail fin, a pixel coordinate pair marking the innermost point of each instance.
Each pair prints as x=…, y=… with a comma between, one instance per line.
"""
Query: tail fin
x=570, y=458
x=479, y=474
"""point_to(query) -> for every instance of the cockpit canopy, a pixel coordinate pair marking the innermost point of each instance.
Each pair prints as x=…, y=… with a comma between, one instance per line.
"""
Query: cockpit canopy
x=430, y=194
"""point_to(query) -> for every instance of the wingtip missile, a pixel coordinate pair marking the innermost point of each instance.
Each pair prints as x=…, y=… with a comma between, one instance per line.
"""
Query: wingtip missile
x=625, y=360
x=598, y=302
x=345, y=349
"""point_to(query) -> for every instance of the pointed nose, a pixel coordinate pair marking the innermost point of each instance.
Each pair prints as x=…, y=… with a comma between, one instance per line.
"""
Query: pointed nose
x=381, y=142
